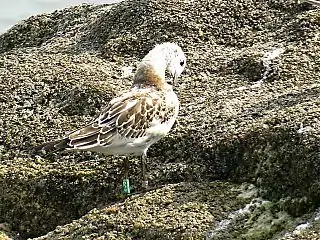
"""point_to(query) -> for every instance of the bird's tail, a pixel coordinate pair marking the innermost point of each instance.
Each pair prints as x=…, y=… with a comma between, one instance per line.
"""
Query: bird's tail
x=57, y=145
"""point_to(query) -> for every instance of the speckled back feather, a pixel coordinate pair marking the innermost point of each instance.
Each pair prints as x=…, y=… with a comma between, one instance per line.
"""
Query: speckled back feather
x=131, y=123
x=125, y=120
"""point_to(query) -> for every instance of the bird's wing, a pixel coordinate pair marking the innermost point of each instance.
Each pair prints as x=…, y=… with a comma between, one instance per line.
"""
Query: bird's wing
x=128, y=116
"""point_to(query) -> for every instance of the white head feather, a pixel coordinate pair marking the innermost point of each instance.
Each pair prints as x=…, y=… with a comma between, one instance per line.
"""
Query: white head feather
x=163, y=57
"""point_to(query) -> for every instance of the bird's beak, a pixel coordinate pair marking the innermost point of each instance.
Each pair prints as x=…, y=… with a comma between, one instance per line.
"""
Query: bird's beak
x=175, y=78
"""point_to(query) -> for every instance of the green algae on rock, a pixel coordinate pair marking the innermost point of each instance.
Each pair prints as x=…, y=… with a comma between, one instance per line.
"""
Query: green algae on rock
x=58, y=70
x=184, y=211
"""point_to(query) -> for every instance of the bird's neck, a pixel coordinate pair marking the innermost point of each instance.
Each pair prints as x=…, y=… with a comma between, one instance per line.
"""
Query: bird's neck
x=151, y=72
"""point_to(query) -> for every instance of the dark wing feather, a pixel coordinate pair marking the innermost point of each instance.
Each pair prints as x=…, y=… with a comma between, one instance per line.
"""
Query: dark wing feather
x=125, y=117
x=128, y=116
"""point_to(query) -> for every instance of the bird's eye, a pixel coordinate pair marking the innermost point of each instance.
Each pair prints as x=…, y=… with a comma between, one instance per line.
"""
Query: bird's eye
x=181, y=63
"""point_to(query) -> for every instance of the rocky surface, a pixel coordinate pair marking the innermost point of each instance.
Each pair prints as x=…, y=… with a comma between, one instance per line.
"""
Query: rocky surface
x=249, y=114
x=184, y=211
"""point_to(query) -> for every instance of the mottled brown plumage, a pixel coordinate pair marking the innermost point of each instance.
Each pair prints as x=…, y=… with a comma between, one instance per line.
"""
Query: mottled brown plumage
x=131, y=123
x=138, y=118
x=127, y=117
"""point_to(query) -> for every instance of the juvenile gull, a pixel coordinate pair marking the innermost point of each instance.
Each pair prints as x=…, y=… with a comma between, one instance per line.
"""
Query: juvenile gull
x=135, y=120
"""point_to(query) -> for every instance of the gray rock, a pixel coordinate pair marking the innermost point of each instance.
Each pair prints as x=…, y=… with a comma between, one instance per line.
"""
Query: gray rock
x=249, y=112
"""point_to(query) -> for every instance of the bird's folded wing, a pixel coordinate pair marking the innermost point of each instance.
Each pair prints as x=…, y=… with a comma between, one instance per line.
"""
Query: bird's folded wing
x=125, y=117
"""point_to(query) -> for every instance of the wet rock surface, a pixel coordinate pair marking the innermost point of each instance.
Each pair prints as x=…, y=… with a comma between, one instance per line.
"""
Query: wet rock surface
x=249, y=114
x=186, y=210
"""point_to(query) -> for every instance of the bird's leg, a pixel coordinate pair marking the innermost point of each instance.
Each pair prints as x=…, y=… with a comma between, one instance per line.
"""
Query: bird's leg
x=144, y=176
x=126, y=183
